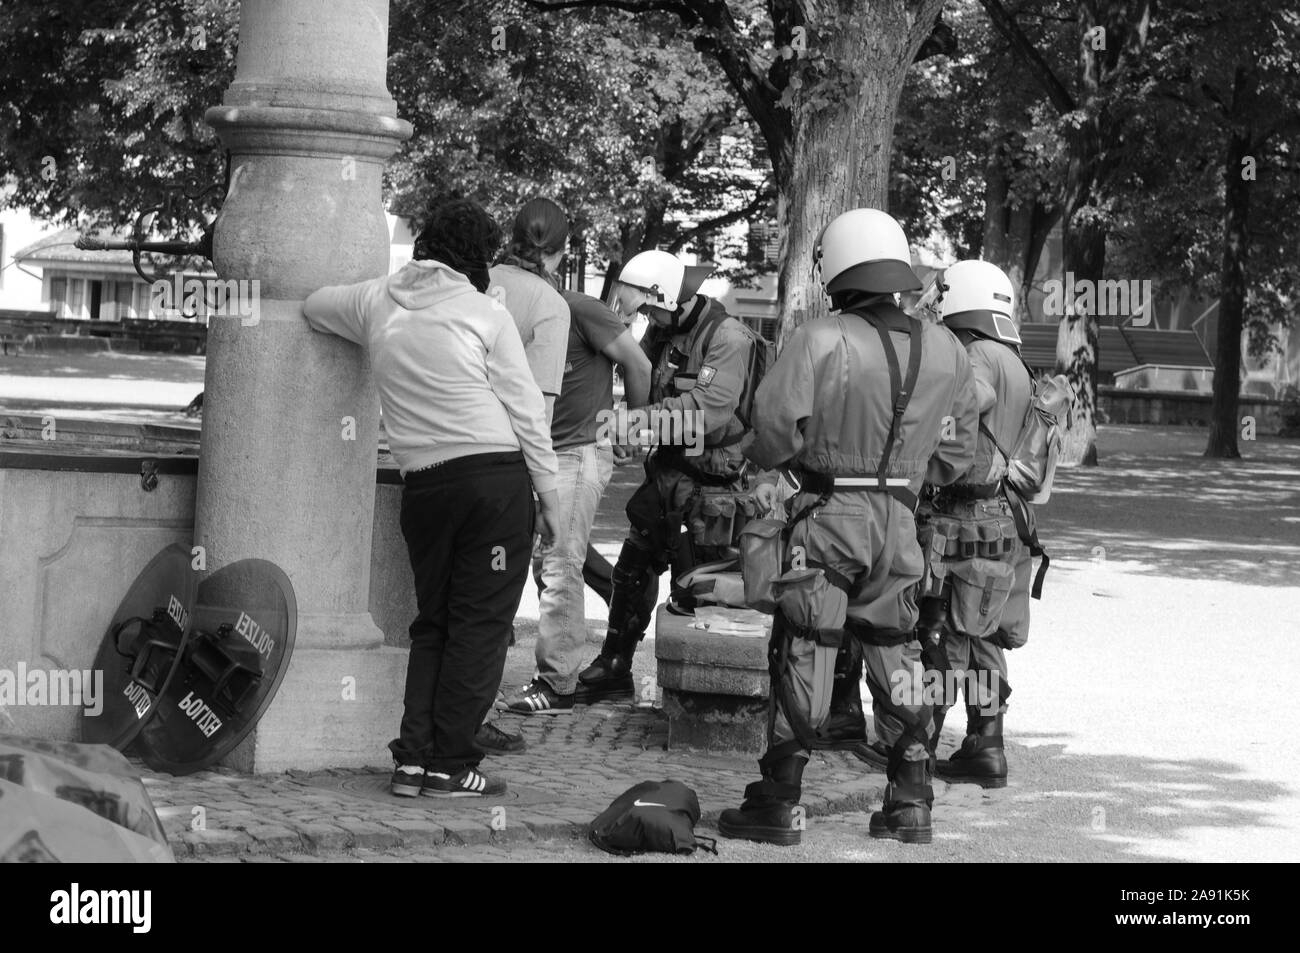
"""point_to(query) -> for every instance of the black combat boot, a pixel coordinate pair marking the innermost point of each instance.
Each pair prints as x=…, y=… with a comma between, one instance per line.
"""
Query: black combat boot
x=846, y=724
x=905, y=814
x=980, y=759
x=770, y=813
x=609, y=677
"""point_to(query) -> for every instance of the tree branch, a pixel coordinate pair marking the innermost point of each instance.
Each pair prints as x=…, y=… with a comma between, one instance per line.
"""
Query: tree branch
x=1289, y=126
x=1006, y=24
x=942, y=41
x=683, y=10
x=720, y=39
x=766, y=194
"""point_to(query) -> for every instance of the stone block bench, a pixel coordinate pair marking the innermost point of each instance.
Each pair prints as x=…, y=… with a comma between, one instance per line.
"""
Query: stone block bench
x=713, y=687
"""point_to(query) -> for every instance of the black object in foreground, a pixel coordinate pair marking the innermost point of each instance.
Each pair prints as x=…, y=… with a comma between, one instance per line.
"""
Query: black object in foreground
x=243, y=625
x=140, y=650
x=651, y=817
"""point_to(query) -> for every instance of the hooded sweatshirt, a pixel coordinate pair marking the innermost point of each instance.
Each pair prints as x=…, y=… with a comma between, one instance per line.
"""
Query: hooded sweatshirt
x=449, y=366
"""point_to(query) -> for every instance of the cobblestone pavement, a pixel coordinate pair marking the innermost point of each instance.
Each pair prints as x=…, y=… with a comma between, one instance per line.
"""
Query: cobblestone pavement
x=574, y=767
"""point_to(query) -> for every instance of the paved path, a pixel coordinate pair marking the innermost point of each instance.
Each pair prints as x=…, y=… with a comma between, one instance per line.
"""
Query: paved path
x=575, y=766
x=1150, y=717
x=92, y=384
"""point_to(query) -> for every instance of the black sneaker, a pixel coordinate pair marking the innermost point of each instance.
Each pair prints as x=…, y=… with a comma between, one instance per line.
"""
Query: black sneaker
x=468, y=783
x=538, y=698
x=408, y=779
x=491, y=738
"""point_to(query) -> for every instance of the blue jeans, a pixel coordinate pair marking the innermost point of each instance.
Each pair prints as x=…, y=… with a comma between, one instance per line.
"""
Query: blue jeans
x=584, y=472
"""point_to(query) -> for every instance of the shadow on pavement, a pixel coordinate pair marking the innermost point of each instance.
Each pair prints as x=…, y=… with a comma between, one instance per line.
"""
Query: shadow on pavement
x=1108, y=808
x=1156, y=502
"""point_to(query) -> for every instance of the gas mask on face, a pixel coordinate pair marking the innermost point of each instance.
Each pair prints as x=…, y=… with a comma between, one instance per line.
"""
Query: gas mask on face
x=928, y=306
x=627, y=301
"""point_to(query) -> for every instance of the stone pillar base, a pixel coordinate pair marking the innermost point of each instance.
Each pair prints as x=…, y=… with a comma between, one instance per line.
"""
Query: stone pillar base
x=714, y=687
x=715, y=722
x=336, y=708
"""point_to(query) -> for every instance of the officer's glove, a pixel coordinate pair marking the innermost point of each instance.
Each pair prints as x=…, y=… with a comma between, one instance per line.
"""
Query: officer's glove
x=930, y=628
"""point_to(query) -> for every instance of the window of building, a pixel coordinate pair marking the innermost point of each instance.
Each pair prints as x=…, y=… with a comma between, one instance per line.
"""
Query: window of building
x=117, y=300
x=59, y=295
x=140, y=300
x=765, y=327
x=76, y=297
x=763, y=244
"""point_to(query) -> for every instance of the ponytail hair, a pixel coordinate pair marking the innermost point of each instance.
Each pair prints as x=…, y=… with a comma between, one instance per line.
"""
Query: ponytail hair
x=541, y=228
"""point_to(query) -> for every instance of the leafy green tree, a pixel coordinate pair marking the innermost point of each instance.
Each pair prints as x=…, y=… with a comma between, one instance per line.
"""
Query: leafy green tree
x=821, y=81
x=1088, y=89
x=101, y=107
x=1213, y=196
x=615, y=124
x=976, y=156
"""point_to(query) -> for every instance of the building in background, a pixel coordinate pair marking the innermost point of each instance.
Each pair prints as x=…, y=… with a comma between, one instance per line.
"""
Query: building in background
x=21, y=288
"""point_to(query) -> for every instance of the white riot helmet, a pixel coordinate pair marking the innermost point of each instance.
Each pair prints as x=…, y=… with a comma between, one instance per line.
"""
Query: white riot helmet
x=667, y=281
x=979, y=297
x=865, y=250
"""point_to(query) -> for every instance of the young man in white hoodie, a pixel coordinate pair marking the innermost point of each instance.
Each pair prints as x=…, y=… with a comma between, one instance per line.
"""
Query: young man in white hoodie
x=467, y=426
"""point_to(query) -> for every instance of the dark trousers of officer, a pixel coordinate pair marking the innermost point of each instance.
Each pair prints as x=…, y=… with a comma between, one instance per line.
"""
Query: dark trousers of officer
x=468, y=528
x=657, y=540
x=859, y=532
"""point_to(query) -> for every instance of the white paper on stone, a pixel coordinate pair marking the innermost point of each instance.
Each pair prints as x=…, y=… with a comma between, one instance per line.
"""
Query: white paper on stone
x=725, y=620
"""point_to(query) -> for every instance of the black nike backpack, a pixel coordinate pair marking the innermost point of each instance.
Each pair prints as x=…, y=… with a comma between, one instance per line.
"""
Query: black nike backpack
x=651, y=817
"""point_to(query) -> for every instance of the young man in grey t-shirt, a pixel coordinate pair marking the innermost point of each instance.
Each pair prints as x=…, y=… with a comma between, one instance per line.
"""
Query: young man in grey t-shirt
x=598, y=340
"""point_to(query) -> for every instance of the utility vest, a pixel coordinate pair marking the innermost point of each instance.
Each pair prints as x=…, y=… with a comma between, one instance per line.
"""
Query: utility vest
x=975, y=529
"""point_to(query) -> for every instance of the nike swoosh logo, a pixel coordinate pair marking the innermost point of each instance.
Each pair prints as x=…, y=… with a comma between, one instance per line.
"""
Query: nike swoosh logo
x=640, y=803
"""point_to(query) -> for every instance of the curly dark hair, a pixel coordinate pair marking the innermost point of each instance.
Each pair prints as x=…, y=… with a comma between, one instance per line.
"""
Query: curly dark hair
x=462, y=235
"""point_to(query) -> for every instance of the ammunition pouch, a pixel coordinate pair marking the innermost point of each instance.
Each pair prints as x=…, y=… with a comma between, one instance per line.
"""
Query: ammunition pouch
x=717, y=516
x=711, y=518
x=971, y=561
x=980, y=589
x=762, y=549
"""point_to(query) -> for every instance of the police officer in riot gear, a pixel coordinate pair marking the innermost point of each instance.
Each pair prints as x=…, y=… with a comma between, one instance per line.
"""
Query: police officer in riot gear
x=862, y=406
x=699, y=356
x=979, y=582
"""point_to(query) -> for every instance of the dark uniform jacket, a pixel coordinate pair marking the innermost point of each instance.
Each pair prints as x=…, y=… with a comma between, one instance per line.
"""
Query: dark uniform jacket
x=825, y=405
x=1004, y=390
x=708, y=385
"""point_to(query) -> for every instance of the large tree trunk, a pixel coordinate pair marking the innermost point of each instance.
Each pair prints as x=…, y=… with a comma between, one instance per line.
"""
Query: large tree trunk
x=840, y=150
x=1084, y=258
x=1077, y=349
x=1232, y=293
x=1014, y=236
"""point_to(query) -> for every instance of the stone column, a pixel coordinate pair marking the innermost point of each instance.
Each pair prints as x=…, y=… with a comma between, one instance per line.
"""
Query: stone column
x=291, y=417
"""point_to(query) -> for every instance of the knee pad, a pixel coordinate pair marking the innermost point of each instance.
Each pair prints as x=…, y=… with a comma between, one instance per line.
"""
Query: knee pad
x=639, y=553
x=634, y=587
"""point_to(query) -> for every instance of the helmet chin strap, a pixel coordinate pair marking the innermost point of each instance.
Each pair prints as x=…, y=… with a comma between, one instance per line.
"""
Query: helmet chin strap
x=698, y=303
